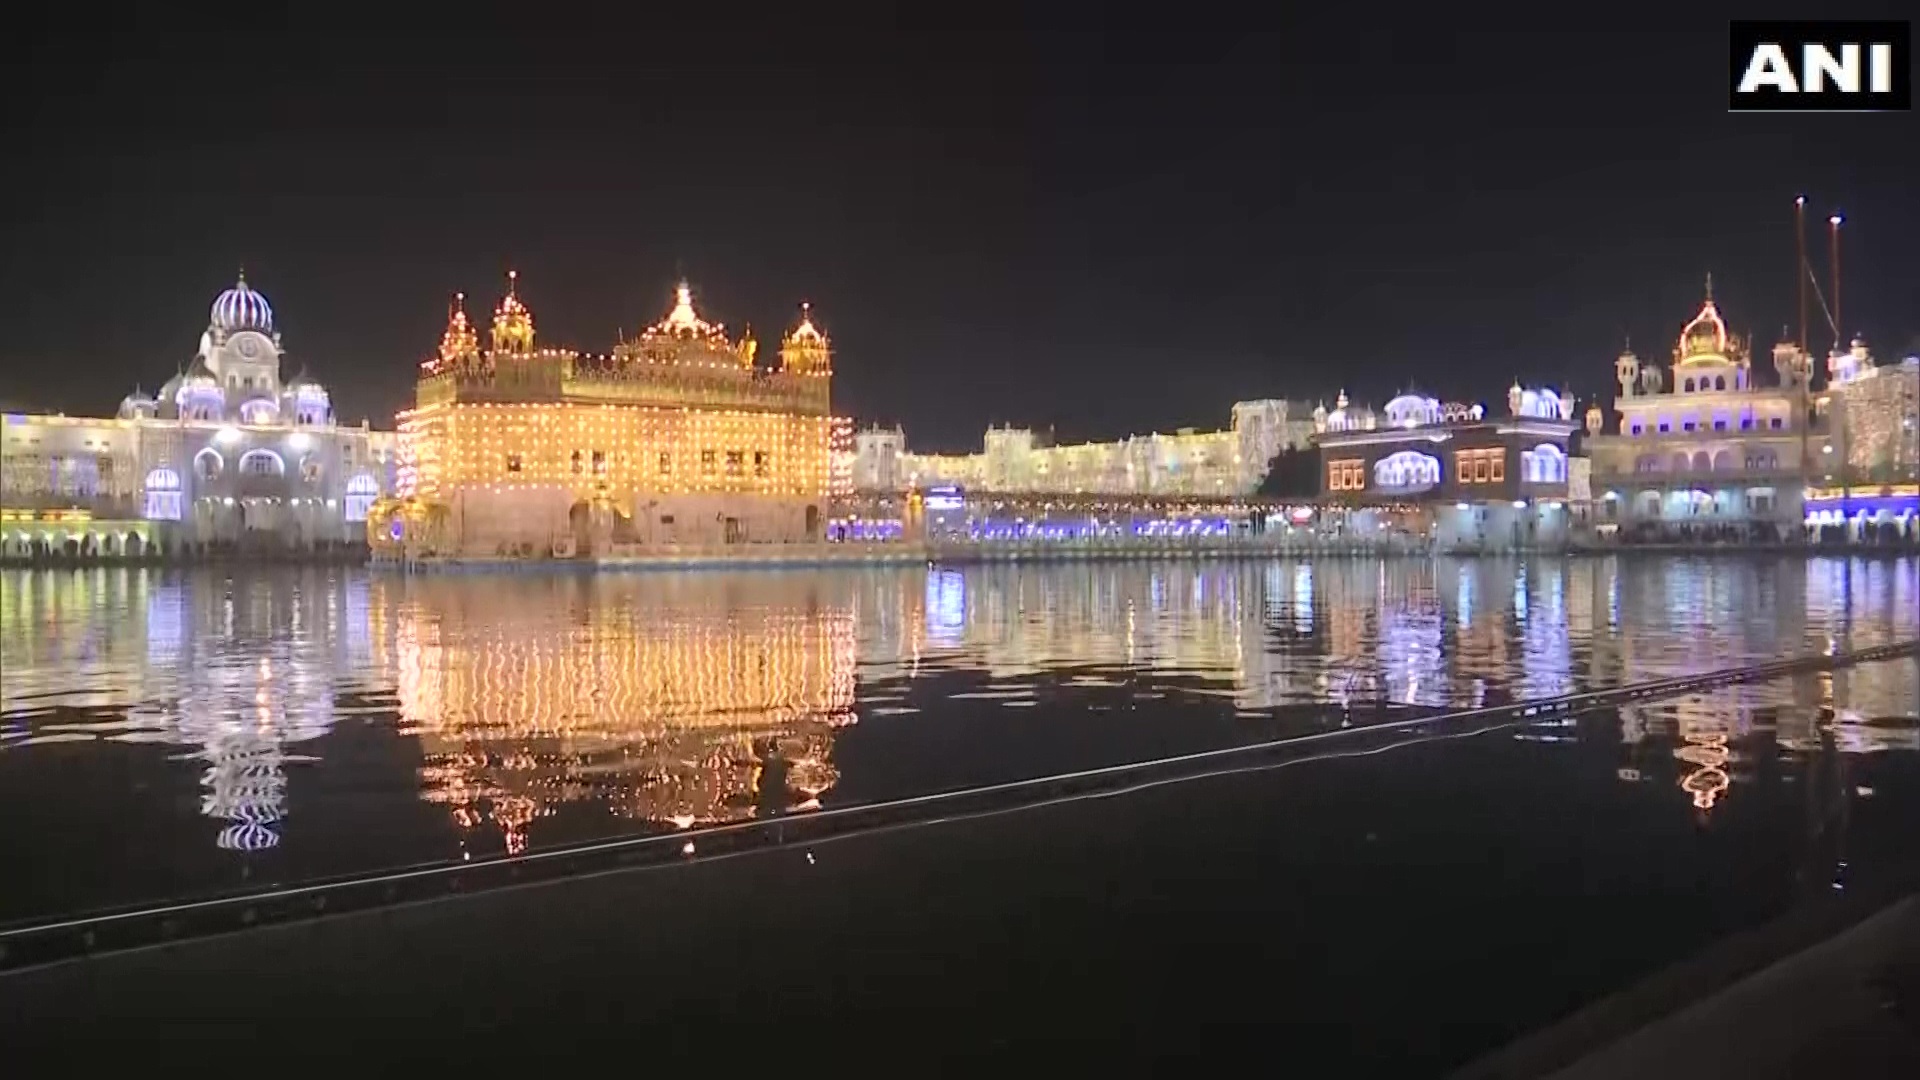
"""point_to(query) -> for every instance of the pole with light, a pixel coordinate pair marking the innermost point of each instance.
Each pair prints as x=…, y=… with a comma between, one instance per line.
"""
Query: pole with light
x=1833, y=267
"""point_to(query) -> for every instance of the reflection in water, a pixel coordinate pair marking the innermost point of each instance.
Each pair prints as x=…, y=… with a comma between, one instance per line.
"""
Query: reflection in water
x=538, y=709
x=1722, y=737
x=234, y=673
x=665, y=704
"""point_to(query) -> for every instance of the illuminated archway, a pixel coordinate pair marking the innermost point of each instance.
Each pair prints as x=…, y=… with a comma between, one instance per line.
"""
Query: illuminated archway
x=262, y=463
x=1407, y=470
x=1544, y=464
x=163, y=495
x=362, y=490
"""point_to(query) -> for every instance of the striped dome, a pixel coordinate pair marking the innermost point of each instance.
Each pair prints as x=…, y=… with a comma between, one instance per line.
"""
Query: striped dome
x=240, y=308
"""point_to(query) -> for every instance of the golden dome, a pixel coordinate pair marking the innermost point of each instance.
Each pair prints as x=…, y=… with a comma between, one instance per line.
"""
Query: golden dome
x=1705, y=337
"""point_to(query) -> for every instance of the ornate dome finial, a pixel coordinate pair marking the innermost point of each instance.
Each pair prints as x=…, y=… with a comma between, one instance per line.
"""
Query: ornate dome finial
x=683, y=315
x=1709, y=286
x=458, y=343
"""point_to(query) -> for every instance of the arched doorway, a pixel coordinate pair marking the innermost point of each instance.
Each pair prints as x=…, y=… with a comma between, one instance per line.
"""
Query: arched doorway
x=580, y=523
x=813, y=522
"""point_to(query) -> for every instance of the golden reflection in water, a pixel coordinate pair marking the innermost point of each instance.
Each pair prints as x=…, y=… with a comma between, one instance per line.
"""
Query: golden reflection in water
x=664, y=701
x=1864, y=709
x=668, y=697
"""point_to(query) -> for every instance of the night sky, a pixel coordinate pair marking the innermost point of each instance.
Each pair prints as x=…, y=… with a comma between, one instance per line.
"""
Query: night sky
x=1108, y=231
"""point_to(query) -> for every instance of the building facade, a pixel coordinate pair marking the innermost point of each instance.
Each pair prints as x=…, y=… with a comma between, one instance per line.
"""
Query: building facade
x=1865, y=483
x=675, y=438
x=230, y=454
x=1714, y=452
x=1450, y=473
x=1187, y=462
x=1873, y=413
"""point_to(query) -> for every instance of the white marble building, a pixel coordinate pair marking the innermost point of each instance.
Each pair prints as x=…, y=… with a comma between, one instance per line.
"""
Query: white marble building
x=231, y=453
x=1232, y=461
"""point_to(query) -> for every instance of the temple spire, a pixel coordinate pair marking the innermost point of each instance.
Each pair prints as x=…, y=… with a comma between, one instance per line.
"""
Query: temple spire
x=1709, y=286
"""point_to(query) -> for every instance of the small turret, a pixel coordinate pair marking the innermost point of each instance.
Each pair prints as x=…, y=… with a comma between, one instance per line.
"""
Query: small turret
x=512, y=322
x=1653, y=379
x=1595, y=418
x=1790, y=363
x=459, y=345
x=805, y=350
x=1626, y=371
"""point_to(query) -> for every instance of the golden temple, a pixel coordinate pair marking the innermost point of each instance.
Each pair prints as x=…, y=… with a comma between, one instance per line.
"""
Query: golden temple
x=676, y=437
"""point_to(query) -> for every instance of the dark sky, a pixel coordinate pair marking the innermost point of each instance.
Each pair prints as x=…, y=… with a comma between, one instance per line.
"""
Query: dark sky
x=1104, y=229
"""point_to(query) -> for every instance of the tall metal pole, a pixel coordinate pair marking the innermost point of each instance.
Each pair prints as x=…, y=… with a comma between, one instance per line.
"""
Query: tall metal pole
x=1839, y=332
x=1800, y=268
x=1805, y=378
x=1839, y=324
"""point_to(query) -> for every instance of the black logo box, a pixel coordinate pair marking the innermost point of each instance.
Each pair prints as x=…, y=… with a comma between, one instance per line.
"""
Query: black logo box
x=1745, y=36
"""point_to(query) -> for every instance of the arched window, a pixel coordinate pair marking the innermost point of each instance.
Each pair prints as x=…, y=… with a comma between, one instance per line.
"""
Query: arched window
x=1549, y=464
x=163, y=495
x=1406, y=471
x=258, y=411
x=1688, y=386
x=362, y=490
x=1702, y=463
x=1646, y=463
x=208, y=464
x=1719, y=382
x=1723, y=461
x=262, y=463
x=1681, y=462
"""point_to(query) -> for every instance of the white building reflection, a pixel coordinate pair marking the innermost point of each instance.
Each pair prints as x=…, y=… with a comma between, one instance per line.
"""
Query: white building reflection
x=237, y=673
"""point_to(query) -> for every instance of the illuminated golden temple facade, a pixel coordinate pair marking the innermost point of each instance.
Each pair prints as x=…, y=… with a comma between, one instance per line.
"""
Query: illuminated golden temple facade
x=677, y=437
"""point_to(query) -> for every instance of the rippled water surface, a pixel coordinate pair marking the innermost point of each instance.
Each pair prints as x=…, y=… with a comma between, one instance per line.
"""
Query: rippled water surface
x=167, y=734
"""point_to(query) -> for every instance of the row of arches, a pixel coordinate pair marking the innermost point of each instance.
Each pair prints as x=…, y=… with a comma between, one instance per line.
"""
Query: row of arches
x=101, y=545
x=165, y=495
x=1705, y=383
x=1700, y=461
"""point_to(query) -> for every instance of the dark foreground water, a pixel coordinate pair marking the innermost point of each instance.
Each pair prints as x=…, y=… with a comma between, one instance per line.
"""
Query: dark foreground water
x=1390, y=914
x=168, y=735
x=177, y=734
